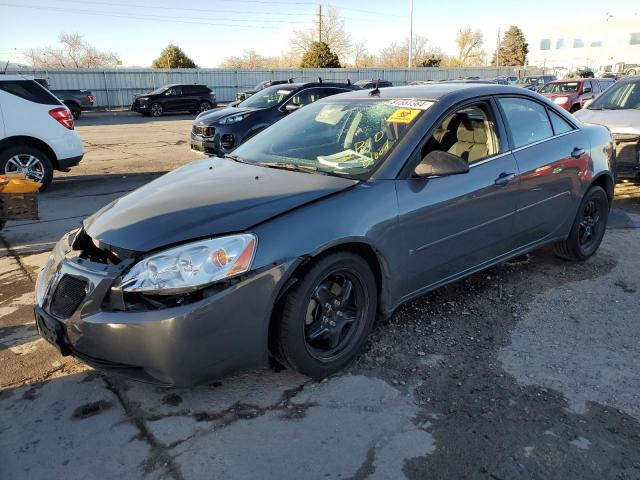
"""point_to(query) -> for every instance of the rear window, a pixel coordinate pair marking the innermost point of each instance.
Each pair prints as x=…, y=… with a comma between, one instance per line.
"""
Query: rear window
x=29, y=90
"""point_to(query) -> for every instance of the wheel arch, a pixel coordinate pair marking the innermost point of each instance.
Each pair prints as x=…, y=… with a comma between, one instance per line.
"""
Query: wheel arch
x=605, y=181
x=18, y=140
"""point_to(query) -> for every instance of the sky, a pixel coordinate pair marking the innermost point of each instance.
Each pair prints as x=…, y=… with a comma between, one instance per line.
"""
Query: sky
x=212, y=30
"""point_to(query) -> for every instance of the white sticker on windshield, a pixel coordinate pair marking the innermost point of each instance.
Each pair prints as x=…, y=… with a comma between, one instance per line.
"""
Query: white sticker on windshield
x=410, y=103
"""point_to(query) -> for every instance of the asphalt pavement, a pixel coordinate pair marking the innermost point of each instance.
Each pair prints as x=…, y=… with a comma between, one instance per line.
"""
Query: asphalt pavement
x=527, y=370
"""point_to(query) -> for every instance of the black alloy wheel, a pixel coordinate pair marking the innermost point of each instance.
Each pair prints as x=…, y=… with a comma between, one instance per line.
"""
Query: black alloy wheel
x=204, y=106
x=588, y=228
x=327, y=315
x=155, y=109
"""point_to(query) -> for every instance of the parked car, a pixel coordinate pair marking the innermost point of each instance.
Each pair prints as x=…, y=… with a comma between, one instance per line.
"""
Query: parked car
x=580, y=72
x=76, y=101
x=240, y=96
x=339, y=212
x=220, y=131
x=571, y=94
x=618, y=108
x=175, y=98
x=369, y=84
x=36, y=131
x=535, y=82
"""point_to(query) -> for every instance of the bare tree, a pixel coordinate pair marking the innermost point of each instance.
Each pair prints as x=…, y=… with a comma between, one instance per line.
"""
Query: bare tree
x=396, y=55
x=248, y=59
x=361, y=56
x=333, y=31
x=73, y=52
x=470, y=52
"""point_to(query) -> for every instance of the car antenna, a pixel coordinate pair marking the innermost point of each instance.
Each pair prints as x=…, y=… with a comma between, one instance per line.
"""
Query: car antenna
x=375, y=91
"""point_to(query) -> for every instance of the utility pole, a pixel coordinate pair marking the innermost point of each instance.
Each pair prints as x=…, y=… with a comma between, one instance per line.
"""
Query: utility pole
x=320, y=23
x=498, y=49
x=410, y=33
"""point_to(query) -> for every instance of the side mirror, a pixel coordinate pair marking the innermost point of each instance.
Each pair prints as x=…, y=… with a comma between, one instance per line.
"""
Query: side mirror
x=292, y=107
x=440, y=164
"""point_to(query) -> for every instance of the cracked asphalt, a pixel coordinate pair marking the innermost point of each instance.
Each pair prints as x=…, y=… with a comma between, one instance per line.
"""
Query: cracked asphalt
x=528, y=370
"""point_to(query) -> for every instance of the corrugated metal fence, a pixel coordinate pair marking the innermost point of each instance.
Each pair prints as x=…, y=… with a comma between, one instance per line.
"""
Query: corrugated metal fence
x=115, y=87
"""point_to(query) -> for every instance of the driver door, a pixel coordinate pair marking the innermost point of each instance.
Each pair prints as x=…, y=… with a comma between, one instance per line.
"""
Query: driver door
x=455, y=224
x=173, y=99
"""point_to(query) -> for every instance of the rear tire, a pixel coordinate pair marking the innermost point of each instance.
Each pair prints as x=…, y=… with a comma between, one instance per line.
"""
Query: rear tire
x=588, y=227
x=37, y=164
x=204, y=106
x=325, y=323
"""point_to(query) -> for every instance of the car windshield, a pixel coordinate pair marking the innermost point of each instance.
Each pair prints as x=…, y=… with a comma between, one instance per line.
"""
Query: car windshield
x=158, y=91
x=339, y=137
x=620, y=96
x=267, y=97
x=561, y=87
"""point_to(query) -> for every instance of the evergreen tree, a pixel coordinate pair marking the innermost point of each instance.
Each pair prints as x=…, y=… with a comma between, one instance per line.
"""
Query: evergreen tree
x=319, y=55
x=173, y=57
x=513, y=49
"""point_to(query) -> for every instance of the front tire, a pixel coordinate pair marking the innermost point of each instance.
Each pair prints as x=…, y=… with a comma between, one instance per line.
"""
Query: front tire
x=155, y=110
x=588, y=227
x=327, y=315
x=32, y=162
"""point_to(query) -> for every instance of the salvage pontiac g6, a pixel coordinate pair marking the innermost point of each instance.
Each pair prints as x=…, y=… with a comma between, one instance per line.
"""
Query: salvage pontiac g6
x=289, y=247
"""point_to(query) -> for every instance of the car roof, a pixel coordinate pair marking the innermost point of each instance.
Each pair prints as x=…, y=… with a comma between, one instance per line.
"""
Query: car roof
x=9, y=77
x=436, y=91
x=183, y=85
x=316, y=84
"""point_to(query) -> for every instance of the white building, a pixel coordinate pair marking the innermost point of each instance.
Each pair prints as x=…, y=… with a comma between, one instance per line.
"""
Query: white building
x=576, y=44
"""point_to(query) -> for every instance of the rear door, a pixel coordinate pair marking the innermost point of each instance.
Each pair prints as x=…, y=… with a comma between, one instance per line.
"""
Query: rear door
x=552, y=155
x=457, y=223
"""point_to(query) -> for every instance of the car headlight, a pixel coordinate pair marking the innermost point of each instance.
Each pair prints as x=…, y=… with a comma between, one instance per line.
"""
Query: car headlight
x=143, y=99
x=234, y=118
x=561, y=100
x=192, y=266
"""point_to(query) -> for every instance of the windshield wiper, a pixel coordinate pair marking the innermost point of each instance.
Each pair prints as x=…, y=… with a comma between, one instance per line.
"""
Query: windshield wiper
x=292, y=166
x=235, y=158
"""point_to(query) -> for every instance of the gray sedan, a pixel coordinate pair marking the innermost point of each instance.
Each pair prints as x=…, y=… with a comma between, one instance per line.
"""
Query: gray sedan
x=290, y=247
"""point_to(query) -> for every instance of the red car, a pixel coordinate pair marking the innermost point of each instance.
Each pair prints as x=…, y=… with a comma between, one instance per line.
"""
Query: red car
x=571, y=94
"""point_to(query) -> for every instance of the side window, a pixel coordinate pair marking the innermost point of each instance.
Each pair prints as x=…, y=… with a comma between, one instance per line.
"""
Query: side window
x=29, y=90
x=327, y=92
x=586, y=87
x=173, y=91
x=190, y=90
x=469, y=133
x=305, y=97
x=560, y=125
x=527, y=120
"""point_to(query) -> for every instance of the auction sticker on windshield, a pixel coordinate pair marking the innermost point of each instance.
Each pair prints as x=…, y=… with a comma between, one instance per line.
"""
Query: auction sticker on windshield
x=404, y=115
x=410, y=103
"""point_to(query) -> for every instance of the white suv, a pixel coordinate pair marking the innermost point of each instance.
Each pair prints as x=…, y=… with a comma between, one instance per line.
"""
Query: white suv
x=36, y=131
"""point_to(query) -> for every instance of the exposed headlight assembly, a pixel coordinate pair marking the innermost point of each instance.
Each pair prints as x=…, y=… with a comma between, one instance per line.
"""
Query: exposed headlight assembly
x=234, y=118
x=191, y=266
x=143, y=99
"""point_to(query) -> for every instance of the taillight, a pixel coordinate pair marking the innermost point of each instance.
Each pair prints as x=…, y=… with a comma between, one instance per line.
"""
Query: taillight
x=90, y=98
x=63, y=115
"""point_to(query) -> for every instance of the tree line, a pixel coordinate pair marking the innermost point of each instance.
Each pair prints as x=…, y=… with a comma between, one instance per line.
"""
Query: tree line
x=326, y=43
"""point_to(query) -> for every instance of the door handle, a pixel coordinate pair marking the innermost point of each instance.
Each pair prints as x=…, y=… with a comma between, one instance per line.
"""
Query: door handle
x=504, y=178
x=577, y=152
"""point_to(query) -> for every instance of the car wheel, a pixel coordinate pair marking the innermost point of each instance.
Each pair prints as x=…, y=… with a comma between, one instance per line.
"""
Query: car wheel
x=204, y=106
x=29, y=161
x=327, y=315
x=75, y=110
x=588, y=227
x=155, y=109
x=631, y=72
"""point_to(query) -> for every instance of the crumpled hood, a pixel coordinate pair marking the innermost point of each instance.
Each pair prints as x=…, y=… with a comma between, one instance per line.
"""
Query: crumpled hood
x=618, y=121
x=215, y=115
x=205, y=198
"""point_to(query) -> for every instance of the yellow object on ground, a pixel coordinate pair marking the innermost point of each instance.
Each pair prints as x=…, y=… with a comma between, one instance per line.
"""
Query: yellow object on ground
x=18, y=183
